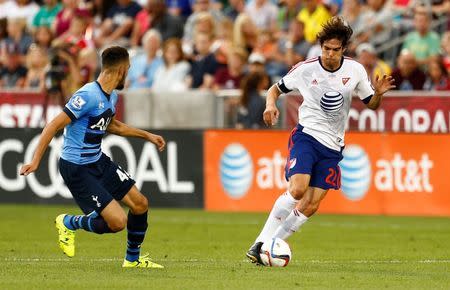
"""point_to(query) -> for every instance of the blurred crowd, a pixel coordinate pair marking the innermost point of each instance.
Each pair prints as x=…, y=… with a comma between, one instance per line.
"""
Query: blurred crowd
x=175, y=45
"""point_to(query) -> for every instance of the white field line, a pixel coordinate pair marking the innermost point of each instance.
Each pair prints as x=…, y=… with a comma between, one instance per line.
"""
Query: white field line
x=38, y=260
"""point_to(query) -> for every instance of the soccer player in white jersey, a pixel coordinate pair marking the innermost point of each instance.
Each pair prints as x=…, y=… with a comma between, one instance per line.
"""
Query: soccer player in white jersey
x=96, y=182
x=327, y=84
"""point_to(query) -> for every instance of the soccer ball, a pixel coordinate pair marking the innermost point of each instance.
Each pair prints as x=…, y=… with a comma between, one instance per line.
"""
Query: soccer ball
x=275, y=253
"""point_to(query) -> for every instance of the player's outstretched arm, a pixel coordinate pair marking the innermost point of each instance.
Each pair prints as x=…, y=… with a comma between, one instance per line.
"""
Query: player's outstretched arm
x=381, y=86
x=118, y=128
x=271, y=112
x=50, y=130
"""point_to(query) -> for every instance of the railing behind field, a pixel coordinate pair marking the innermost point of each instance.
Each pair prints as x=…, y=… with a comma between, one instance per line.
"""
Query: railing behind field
x=401, y=111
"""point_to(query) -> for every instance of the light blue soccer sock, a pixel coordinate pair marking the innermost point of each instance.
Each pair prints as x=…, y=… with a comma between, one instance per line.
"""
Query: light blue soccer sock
x=91, y=223
x=137, y=227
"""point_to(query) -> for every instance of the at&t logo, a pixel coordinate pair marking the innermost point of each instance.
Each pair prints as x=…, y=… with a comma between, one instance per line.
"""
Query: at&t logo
x=236, y=170
x=355, y=172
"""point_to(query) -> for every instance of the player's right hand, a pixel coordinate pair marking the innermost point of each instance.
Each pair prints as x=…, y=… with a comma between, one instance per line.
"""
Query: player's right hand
x=158, y=141
x=271, y=115
x=27, y=169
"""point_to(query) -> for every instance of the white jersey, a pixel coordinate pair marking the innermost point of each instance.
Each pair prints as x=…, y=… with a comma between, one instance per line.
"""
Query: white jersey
x=327, y=97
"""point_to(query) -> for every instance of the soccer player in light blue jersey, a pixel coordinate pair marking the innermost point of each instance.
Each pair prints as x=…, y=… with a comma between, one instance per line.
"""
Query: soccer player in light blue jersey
x=97, y=183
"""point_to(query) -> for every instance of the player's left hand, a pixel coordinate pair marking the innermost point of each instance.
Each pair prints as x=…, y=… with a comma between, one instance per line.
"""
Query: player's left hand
x=383, y=84
x=158, y=141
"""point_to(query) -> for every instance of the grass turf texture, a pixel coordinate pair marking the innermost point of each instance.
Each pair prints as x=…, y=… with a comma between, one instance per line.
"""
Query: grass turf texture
x=203, y=250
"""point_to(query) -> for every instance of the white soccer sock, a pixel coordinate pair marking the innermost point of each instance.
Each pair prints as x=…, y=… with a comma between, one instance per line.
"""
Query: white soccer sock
x=292, y=223
x=281, y=209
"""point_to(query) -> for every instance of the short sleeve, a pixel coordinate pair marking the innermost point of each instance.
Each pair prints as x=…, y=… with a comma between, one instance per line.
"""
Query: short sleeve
x=364, y=88
x=290, y=81
x=78, y=105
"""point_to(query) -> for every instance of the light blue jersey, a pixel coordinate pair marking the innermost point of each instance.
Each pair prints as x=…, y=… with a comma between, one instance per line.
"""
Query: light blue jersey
x=91, y=110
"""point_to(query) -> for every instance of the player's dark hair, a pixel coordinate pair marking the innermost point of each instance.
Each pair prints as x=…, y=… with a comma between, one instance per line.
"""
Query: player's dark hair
x=335, y=28
x=113, y=56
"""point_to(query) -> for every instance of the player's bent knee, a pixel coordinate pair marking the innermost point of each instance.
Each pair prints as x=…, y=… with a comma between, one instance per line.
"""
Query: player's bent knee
x=118, y=224
x=298, y=190
x=140, y=205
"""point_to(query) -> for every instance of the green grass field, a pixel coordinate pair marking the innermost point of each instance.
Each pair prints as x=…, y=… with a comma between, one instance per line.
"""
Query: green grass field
x=203, y=250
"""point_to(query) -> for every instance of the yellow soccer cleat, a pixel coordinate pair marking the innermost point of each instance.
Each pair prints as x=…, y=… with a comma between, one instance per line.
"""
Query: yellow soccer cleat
x=66, y=237
x=142, y=262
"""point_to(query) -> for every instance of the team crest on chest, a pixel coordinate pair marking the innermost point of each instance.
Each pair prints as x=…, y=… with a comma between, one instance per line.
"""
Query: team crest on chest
x=345, y=80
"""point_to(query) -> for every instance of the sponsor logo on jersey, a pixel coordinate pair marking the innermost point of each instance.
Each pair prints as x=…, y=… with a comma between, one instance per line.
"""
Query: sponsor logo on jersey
x=331, y=102
x=236, y=170
x=78, y=102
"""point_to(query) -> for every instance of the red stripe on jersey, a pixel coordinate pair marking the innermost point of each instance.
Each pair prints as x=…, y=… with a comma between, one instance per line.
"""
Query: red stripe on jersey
x=303, y=62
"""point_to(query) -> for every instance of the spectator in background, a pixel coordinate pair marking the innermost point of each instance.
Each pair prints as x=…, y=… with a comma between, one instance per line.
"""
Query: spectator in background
x=13, y=73
x=235, y=8
x=223, y=40
x=43, y=37
x=171, y=76
x=199, y=6
x=230, y=77
x=263, y=14
x=267, y=46
x=64, y=17
x=25, y=10
x=3, y=30
x=47, y=13
x=294, y=46
x=180, y=8
x=377, y=21
x=445, y=48
x=313, y=15
x=245, y=33
x=36, y=62
x=18, y=37
x=407, y=75
x=6, y=6
x=88, y=64
x=155, y=16
x=118, y=24
x=256, y=62
x=75, y=38
x=352, y=11
x=252, y=104
x=375, y=67
x=99, y=10
x=437, y=76
x=333, y=6
x=205, y=24
x=204, y=64
x=145, y=64
x=287, y=12
x=423, y=42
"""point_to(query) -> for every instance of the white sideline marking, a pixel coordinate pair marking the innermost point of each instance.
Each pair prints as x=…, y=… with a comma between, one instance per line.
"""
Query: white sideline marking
x=428, y=261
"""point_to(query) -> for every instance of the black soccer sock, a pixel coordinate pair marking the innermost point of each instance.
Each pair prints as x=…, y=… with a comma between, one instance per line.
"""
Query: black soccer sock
x=137, y=227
